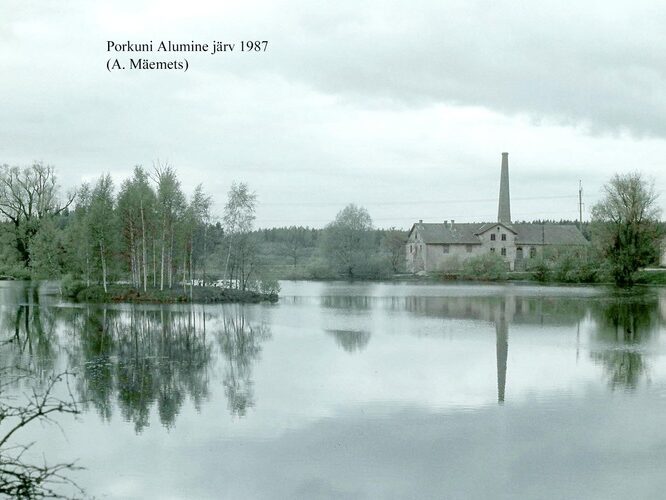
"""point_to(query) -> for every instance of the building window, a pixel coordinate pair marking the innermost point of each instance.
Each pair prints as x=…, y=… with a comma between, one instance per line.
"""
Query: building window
x=468, y=248
x=503, y=252
x=532, y=252
x=411, y=250
x=492, y=249
x=503, y=237
x=445, y=249
x=492, y=237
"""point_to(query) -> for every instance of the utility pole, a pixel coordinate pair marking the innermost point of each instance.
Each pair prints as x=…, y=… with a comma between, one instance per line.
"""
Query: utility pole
x=580, y=206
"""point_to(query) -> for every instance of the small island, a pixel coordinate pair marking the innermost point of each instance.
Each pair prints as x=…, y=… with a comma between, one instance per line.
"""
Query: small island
x=194, y=295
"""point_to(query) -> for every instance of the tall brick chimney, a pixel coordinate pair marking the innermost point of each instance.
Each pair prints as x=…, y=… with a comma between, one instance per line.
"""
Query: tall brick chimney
x=504, y=212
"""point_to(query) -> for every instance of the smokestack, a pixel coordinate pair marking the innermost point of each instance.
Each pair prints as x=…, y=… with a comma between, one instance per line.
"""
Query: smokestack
x=504, y=212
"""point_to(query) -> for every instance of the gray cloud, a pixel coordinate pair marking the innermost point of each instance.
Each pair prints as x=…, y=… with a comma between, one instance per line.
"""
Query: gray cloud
x=371, y=102
x=599, y=65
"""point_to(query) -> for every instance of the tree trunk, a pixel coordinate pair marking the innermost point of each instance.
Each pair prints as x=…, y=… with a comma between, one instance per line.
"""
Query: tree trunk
x=143, y=244
x=101, y=253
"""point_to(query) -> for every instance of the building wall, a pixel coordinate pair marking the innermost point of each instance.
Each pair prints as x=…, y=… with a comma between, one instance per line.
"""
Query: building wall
x=422, y=257
x=509, y=245
x=415, y=253
x=439, y=260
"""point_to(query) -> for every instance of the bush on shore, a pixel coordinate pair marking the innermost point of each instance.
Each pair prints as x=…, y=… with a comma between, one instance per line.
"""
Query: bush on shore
x=486, y=267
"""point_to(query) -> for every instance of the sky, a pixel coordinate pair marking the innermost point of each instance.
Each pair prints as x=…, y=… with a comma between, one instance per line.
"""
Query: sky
x=403, y=107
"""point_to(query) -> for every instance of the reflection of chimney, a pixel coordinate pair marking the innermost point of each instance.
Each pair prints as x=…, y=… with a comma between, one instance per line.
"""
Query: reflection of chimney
x=504, y=212
x=502, y=339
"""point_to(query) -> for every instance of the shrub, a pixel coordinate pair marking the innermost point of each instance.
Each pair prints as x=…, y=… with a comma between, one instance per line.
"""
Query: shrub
x=487, y=267
x=319, y=269
x=539, y=269
x=14, y=271
x=374, y=267
x=70, y=286
x=269, y=286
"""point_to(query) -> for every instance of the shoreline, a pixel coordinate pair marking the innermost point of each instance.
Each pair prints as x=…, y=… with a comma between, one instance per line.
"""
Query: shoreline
x=197, y=295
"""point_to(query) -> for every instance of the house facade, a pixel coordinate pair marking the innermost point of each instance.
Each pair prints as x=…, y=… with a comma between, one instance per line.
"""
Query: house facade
x=444, y=246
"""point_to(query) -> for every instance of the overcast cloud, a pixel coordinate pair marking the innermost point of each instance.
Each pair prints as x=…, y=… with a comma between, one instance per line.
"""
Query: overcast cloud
x=403, y=107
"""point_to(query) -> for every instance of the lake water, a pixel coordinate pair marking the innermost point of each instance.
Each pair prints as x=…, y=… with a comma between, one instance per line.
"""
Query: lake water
x=356, y=391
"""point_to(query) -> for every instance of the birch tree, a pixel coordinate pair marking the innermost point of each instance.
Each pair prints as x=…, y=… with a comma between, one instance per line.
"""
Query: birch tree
x=101, y=225
x=170, y=206
x=239, y=216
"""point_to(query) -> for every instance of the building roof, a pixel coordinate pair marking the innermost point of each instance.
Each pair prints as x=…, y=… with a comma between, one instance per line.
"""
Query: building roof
x=526, y=233
x=488, y=226
x=464, y=234
x=548, y=234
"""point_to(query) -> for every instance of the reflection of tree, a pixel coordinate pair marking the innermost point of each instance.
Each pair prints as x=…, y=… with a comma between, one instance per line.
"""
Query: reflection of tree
x=28, y=330
x=351, y=340
x=240, y=342
x=137, y=358
x=624, y=323
x=143, y=358
x=346, y=302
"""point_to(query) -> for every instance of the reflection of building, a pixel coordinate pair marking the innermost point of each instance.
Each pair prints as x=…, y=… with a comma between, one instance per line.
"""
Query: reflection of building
x=441, y=246
x=502, y=341
x=515, y=306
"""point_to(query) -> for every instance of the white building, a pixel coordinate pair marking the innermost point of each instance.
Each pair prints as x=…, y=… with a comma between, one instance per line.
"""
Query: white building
x=442, y=246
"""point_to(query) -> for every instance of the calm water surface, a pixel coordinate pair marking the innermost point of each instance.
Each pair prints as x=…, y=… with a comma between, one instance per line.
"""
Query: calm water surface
x=357, y=391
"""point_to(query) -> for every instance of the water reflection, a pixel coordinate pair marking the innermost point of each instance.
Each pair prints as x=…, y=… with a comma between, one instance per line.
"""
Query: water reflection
x=502, y=351
x=27, y=332
x=325, y=413
x=240, y=343
x=132, y=359
x=351, y=340
x=624, y=324
x=139, y=358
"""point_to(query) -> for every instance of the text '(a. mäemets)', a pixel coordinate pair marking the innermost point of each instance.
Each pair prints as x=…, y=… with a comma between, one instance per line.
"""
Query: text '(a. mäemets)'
x=162, y=47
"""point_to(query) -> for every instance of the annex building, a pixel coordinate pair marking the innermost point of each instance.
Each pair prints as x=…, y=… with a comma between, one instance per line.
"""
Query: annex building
x=442, y=246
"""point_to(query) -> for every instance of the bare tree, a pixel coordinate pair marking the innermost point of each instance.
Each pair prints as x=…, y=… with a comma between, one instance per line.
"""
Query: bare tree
x=19, y=477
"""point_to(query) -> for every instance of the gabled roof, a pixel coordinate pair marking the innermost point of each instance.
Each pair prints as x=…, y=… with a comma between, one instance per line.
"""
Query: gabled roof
x=489, y=225
x=443, y=234
x=526, y=234
x=548, y=234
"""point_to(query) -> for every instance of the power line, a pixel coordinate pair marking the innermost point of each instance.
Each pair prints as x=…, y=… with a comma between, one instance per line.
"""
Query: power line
x=487, y=218
x=419, y=202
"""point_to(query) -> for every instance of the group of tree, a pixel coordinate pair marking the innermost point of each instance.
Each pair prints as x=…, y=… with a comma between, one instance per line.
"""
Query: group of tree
x=146, y=231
